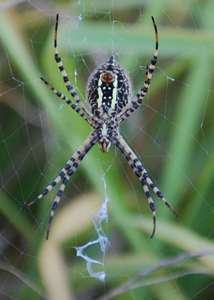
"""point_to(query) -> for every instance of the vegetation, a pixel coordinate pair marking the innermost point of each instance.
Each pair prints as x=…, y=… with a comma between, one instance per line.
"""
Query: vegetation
x=172, y=133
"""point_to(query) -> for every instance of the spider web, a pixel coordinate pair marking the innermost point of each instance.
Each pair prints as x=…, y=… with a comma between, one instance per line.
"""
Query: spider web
x=100, y=249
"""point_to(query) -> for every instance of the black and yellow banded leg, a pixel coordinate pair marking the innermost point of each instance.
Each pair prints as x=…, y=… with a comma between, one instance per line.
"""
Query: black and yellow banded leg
x=142, y=174
x=137, y=101
x=71, y=170
x=69, y=87
x=68, y=101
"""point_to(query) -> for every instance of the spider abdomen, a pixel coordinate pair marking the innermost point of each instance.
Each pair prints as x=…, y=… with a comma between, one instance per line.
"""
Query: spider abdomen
x=108, y=90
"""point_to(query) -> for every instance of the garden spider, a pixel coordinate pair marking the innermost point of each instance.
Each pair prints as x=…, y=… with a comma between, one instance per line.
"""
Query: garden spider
x=109, y=103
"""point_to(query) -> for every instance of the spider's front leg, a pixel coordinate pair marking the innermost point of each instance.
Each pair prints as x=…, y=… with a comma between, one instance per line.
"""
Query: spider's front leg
x=142, y=174
x=65, y=174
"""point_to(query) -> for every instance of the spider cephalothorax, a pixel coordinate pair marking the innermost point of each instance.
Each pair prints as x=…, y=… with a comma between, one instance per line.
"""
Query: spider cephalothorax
x=109, y=104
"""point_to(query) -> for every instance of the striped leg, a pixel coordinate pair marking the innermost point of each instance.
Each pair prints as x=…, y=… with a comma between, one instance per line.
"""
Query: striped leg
x=68, y=101
x=136, y=102
x=69, y=87
x=141, y=173
x=57, y=199
x=66, y=173
x=67, y=176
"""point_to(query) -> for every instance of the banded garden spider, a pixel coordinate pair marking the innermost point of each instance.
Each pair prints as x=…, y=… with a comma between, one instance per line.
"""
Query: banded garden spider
x=109, y=103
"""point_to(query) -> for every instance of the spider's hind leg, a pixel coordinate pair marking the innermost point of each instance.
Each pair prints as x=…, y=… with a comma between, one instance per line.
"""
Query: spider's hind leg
x=68, y=101
x=66, y=80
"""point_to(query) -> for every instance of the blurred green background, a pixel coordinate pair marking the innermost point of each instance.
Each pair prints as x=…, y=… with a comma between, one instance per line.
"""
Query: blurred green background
x=172, y=134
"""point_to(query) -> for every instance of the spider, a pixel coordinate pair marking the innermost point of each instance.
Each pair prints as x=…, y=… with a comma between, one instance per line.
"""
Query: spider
x=109, y=104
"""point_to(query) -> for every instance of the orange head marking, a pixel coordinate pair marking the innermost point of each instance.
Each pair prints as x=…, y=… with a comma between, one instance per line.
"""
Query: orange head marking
x=108, y=77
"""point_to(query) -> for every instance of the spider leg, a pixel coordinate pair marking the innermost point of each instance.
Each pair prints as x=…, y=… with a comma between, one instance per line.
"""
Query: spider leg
x=69, y=169
x=69, y=87
x=68, y=101
x=137, y=101
x=57, y=199
x=66, y=178
x=142, y=174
